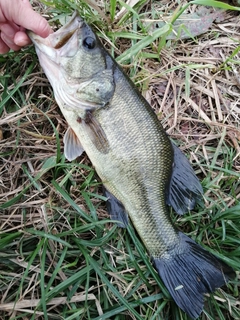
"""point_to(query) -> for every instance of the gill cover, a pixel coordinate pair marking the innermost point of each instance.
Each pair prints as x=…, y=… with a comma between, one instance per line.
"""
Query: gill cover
x=81, y=75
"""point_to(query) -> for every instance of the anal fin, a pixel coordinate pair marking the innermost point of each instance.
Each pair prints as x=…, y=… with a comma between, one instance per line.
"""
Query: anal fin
x=116, y=209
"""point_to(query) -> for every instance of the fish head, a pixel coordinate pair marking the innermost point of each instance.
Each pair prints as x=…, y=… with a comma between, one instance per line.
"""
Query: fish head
x=77, y=66
x=73, y=52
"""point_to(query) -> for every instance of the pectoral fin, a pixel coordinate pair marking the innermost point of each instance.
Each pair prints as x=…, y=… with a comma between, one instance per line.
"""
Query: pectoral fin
x=116, y=209
x=95, y=132
x=184, y=189
x=72, y=145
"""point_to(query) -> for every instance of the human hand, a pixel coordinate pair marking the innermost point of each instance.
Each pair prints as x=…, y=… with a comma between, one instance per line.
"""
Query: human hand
x=15, y=17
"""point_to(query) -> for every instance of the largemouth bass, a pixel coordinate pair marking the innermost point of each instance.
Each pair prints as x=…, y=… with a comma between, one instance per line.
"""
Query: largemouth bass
x=142, y=171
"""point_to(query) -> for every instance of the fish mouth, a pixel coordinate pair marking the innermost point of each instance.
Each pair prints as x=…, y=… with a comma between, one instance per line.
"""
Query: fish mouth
x=59, y=38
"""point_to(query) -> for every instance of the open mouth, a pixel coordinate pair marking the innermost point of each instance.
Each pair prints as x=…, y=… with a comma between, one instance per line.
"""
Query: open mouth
x=64, y=39
x=59, y=38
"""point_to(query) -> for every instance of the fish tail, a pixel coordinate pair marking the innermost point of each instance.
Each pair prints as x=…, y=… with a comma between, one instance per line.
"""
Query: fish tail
x=191, y=272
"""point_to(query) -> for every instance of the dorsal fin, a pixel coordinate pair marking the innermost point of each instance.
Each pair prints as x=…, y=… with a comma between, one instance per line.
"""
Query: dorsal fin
x=184, y=188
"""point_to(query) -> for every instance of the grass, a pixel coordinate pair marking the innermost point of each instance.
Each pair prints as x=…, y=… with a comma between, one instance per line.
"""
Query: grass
x=60, y=256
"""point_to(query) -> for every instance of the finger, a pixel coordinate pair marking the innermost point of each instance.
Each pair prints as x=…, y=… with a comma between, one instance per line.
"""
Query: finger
x=21, y=39
x=33, y=21
x=9, y=29
x=9, y=42
x=3, y=47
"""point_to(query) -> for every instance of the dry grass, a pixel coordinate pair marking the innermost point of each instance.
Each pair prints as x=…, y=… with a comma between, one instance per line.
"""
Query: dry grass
x=195, y=90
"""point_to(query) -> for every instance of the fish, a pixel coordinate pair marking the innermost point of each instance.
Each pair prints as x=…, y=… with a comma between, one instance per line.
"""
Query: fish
x=142, y=171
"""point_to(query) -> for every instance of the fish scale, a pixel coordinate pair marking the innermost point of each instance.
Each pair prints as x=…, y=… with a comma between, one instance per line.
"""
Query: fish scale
x=141, y=169
x=147, y=184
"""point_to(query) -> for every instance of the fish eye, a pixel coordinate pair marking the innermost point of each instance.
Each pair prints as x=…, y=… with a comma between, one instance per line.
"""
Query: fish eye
x=89, y=43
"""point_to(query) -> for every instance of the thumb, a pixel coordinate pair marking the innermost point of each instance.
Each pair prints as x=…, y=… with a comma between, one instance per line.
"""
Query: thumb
x=27, y=18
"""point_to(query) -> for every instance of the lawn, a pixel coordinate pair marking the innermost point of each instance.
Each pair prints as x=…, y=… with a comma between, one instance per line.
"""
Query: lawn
x=60, y=255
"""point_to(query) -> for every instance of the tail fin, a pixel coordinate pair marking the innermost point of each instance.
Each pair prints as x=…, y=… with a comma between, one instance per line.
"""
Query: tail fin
x=190, y=272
